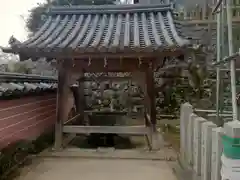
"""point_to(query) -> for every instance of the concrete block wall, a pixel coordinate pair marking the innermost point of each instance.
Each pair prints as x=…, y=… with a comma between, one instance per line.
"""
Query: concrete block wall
x=201, y=147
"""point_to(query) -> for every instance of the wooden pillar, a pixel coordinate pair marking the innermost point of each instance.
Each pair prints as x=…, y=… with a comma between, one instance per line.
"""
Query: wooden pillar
x=151, y=95
x=81, y=98
x=154, y=139
x=62, y=97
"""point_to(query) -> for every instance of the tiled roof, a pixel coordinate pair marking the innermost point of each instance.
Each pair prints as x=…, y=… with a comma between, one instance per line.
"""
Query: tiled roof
x=107, y=29
x=21, y=84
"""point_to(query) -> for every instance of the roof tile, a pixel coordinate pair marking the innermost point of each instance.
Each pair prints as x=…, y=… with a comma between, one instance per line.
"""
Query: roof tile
x=112, y=28
x=22, y=84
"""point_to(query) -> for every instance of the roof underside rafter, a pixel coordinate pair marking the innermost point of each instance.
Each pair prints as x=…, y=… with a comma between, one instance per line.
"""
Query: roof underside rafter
x=105, y=29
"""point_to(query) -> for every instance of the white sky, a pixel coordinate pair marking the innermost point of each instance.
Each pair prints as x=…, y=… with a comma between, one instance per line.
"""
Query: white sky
x=11, y=18
x=11, y=22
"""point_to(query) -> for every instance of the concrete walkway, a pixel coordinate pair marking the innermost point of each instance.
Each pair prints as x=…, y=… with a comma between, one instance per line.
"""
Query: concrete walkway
x=67, y=168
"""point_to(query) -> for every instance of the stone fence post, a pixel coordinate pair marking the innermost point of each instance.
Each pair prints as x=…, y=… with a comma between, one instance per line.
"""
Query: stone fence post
x=201, y=146
x=185, y=112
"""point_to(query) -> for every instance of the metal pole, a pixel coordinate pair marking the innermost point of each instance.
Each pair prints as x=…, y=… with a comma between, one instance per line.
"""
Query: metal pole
x=232, y=63
x=223, y=53
x=218, y=60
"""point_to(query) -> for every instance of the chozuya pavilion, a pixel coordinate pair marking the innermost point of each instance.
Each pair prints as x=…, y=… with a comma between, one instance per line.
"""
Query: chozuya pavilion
x=106, y=38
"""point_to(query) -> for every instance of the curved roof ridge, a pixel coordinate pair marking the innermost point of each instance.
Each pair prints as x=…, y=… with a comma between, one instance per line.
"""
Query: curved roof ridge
x=98, y=9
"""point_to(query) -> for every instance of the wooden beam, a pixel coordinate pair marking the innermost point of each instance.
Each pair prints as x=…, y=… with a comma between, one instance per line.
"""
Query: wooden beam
x=113, y=65
x=106, y=78
x=62, y=97
x=104, y=113
x=76, y=55
x=127, y=130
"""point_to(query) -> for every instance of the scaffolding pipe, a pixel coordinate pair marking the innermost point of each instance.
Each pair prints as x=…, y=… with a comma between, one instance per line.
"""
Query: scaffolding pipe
x=227, y=59
x=218, y=60
x=232, y=63
x=209, y=111
x=217, y=7
x=223, y=53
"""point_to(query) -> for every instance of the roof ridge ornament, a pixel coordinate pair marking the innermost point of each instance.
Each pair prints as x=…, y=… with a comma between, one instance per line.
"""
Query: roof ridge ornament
x=14, y=41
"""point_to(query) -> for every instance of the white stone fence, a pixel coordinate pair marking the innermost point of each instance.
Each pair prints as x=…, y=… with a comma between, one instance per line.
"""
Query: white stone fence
x=201, y=146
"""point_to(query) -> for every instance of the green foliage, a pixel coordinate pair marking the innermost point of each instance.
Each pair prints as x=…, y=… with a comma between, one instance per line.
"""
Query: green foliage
x=21, y=68
x=38, y=14
x=18, y=67
x=190, y=90
x=36, y=17
x=236, y=38
x=197, y=76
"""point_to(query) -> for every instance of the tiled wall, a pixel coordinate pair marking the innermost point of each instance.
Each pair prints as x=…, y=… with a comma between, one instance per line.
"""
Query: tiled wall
x=26, y=118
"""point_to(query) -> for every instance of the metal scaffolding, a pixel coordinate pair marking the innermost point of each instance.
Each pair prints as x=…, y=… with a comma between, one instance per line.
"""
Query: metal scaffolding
x=221, y=7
